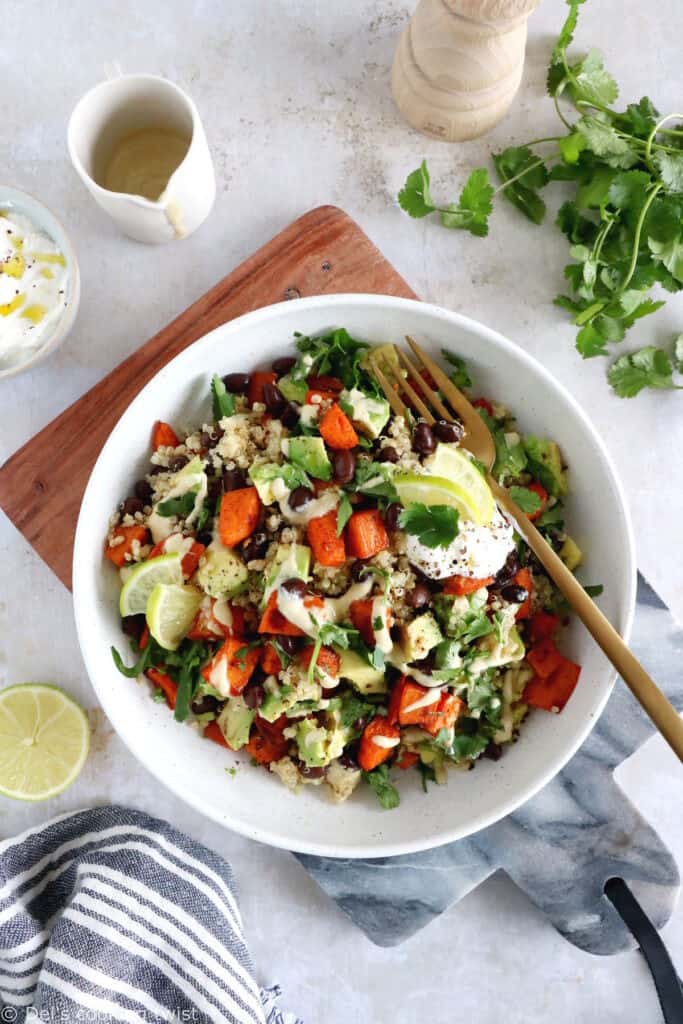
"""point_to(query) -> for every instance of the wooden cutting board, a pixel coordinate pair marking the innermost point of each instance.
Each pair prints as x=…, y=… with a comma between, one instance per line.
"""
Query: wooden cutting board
x=323, y=252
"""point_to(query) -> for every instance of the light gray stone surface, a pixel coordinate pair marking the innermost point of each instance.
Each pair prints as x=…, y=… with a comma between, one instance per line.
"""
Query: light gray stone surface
x=294, y=96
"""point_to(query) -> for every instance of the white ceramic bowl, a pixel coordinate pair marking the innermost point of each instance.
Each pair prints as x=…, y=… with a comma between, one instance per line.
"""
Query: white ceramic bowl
x=45, y=220
x=252, y=802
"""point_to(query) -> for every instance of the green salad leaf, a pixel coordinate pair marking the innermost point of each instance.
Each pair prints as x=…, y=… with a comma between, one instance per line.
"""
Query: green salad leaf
x=223, y=401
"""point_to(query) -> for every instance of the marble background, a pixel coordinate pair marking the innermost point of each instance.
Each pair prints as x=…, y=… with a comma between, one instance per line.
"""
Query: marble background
x=294, y=96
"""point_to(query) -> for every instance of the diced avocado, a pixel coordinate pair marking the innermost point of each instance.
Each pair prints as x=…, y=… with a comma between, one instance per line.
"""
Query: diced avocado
x=419, y=636
x=381, y=354
x=571, y=554
x=235, y=722
x=277, y=703
x=292, y=561
x=309, y=454
x=357, y=670
x=293, y=390
x=369, y=414
x=312, y=741
x=545, y=463
x=337, y=735
x=221, y=573
x=262, y=476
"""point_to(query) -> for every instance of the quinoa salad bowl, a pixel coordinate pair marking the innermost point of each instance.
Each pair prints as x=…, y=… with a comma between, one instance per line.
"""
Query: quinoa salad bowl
x=307, y=616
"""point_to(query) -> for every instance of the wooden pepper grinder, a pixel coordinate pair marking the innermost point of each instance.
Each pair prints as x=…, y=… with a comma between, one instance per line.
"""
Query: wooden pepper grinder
x=458, y=65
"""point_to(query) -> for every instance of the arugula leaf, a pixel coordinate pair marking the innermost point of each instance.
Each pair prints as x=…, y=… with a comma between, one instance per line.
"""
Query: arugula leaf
x=386, y=793
x=473, y=207
x=223, y=401
x=460, y=374
x=415, y=197
x=528, y=501
x=344, y=512
x=650, y=367
x=520, y=163
x=434, y=525
x=180, y=507
x=143, y=662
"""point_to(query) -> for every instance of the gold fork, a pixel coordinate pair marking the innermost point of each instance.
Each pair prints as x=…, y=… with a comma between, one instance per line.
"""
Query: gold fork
x=479, y=442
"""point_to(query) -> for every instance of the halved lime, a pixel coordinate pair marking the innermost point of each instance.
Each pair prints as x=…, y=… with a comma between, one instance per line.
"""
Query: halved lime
x=170, y=611
x=456, y=482
x=144, y=578
x=44, y=741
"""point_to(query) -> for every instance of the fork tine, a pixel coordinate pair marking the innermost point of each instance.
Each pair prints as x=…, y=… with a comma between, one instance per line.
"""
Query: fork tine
x=445, y=385
x=410, y=391
x=424, y=387
x=390, y=394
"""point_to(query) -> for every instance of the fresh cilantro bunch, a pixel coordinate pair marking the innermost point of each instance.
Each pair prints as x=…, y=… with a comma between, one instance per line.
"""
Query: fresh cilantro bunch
x=435, y=526
x=624, y=222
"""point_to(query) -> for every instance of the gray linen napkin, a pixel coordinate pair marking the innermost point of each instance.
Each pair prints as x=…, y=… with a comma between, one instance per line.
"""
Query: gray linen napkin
x=110, y=915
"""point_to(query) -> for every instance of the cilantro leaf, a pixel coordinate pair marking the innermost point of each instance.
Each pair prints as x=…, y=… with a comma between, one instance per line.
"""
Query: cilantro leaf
x=181, y=506
x=528, y=501
x=386, y=793
x=591, y=83
x=415, y=197
x=670, y=170
x=671, y=255
x=460, y=374
x=428, y=774
x=223, y=401
x=529, y=174
x=434, y=525
x=678, y=353
x=590, y=342
x=603, y=140
x=338, y=354
x=344, y=512
x=556, y=69
x=374, y=478
x=594, y=590
x=473, y=207
x=353, y=708
x=650, y=367
x=639, y=118
x=143, y=662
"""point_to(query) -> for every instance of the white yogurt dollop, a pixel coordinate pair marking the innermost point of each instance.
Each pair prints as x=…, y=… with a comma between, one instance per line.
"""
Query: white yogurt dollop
x=477, y=551
x=33, y=287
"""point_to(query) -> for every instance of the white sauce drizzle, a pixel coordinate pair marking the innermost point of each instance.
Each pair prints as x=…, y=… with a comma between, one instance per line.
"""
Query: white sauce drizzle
x=432, y=696
x=386, y=742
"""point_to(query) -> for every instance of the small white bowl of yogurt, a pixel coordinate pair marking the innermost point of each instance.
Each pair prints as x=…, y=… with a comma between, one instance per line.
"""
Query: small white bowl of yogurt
x=39, y=282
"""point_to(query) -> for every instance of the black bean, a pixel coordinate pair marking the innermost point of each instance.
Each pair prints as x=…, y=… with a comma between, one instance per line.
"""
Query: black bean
x=289, y=644
x=508, y=570
x=155, y=470
x=255, y=546
x=449, y=432
x=131, y=505
x=133, y=625
x=423, y=439
x=273, y=399
x=209, y=439
x=388, y=454
x=207, y=703
x=296, y=587
x=391, y=514
x=233, y=479
x=344, y=466
x=205, y=538
x=236, y=383
x=300, y=497
x=177, y=462
x=359, y=724
x=213, y=489
x=283, y=365
x=426, y=665
x=290, y=414
x=420, y=596
x=310, y=772
x=514, y=594
x=358, y=569
x=144, y=492
x=494, y=751
x=349, y=758
x=254, y=695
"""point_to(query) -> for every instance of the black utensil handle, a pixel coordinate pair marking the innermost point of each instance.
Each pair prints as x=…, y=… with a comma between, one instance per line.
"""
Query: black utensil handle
x=656, y=955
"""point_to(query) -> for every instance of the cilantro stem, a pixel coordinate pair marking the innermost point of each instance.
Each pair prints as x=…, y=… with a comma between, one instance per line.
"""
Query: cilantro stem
x=558, y=110
x=550, y=138
x=653, y=133
x=520, y=174
x=636, y=236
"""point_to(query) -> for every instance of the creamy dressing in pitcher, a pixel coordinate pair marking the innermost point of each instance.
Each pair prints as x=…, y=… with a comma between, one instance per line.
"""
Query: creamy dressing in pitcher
x=141, y=164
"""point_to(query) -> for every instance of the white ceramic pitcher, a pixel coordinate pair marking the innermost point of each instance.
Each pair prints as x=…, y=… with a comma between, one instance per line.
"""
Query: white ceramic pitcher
x=132, y=103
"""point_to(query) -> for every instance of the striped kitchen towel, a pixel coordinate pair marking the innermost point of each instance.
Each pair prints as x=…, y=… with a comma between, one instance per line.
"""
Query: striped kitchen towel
x=110, y=915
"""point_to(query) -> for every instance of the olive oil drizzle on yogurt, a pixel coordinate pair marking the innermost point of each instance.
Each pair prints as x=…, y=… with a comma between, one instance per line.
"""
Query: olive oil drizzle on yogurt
x=33, y=276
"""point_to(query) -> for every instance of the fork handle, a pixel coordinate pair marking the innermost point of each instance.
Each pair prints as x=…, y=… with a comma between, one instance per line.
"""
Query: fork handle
x=641, y=685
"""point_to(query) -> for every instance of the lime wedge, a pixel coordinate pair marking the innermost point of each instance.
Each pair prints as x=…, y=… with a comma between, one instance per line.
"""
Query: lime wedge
x=456, y=482
x=170, y=611
x=144, y=578
x=44, y=741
